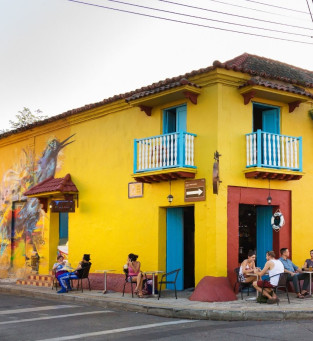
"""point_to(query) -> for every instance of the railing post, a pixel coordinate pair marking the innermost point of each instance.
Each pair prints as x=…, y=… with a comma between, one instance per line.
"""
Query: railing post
x=135, y=156
x=259, y=148
x=300, y=153
x=181, y=151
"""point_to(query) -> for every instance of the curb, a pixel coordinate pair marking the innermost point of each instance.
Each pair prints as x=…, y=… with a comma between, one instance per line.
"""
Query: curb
x=183, y=313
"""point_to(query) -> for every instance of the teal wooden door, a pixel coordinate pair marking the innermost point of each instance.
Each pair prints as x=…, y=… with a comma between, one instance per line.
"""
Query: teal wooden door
x=175, y=120
x=264, y=233
x=270, y=121
x=175, y=244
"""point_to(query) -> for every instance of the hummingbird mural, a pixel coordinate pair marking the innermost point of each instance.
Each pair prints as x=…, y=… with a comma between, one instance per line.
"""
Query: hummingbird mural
x=15, y=183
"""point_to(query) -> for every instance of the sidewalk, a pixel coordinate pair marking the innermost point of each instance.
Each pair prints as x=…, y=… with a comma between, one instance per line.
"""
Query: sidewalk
x=239, y=310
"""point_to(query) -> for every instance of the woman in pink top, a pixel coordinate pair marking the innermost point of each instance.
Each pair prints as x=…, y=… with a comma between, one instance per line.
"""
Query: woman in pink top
x=134, y=273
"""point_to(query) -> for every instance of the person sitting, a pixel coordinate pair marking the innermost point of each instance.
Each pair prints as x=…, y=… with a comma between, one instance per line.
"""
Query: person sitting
x=294, y=274
x=134, y=273
x=58, y=266
x=247, y=267
x=64, y=279
x=309, y=262
x=274, y=267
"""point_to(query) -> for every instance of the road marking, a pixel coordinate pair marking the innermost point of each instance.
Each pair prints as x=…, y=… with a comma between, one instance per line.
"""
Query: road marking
x=56, y=317
x=27, y=310
x=119, y=330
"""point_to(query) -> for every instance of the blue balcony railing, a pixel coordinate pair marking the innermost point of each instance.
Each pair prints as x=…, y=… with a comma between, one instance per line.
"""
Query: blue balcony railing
x=164, y=151
x=274, y=151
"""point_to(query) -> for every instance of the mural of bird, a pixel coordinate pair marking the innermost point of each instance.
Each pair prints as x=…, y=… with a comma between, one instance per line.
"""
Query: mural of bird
x=14, y=184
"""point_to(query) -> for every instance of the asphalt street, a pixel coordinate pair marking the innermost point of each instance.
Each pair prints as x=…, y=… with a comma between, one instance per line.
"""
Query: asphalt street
x=25, y=319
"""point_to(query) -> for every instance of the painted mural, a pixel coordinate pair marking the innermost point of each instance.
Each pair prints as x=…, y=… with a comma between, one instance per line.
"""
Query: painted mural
x=22, y=221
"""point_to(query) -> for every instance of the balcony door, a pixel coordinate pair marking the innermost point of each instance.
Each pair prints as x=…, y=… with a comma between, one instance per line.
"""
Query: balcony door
x=175, y=119
x=266, y=118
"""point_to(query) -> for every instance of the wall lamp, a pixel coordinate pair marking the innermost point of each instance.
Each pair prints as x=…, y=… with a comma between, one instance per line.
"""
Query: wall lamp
x=269, y=198
x=170, y=197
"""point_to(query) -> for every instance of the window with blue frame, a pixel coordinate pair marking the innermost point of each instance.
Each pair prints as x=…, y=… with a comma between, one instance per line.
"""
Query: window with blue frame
x=175, y=119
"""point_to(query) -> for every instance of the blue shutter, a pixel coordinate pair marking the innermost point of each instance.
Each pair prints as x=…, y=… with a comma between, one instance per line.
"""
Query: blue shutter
x=63, y=227
x=264, y=233
x=175, y=244
x=181, y=114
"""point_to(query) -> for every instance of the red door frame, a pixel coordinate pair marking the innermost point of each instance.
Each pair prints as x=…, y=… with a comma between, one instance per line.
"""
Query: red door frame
x=254, y=196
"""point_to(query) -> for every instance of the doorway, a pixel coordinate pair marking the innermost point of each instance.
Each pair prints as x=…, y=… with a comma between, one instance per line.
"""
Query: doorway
x=180, y=249
x=255, y=232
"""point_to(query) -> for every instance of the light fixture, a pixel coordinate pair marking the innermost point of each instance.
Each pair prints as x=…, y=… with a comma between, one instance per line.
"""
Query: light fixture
x=170, y=197
x=269, y=198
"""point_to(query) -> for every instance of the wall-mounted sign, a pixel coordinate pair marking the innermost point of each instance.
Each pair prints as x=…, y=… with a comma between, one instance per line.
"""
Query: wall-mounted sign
x=135, y=190
x=195, y=190
x=62, y=206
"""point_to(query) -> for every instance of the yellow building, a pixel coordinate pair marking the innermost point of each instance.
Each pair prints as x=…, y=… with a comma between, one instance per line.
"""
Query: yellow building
x=228, y=145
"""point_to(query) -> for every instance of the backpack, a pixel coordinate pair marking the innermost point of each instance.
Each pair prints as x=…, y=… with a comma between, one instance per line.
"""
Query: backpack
x=261, y=299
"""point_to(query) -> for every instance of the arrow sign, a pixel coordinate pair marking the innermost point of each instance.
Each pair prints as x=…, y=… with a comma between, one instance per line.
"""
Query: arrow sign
x=194, y=190
x=198, y=191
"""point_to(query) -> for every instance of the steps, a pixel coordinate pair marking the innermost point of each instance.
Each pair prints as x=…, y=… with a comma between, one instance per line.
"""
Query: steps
x=36, y=280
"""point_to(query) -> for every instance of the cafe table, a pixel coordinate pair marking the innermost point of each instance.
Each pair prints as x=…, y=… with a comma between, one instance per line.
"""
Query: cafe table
x=257, y=293
x=153, y=273
x=310, y=286
x=105, y=278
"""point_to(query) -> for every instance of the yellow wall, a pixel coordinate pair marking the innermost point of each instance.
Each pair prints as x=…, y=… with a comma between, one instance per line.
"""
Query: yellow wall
x=109, y=225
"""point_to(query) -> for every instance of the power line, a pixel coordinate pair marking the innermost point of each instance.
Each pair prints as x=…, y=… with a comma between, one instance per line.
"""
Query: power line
x=234, y=15
x=285, y=8
x=256, y=9
x=208, y=19
x=189, y=23
x=309, y=9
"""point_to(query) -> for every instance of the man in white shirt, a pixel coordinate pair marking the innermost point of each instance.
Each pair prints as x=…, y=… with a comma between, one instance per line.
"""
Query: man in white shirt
x=274, y=267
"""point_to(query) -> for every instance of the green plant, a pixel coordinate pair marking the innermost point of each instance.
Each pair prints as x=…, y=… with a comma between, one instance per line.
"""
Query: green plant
x=311, y=113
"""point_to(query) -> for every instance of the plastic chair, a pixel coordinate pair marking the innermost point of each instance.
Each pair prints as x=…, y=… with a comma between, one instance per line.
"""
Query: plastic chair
x=282, y=283
x=85, y=275
x=241, y=284
x=129, y=279
x=164, y=280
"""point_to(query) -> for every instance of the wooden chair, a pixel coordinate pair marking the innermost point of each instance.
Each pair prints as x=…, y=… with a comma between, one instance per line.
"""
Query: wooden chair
x=166, y=280
x=85, y=275
x=55, y=282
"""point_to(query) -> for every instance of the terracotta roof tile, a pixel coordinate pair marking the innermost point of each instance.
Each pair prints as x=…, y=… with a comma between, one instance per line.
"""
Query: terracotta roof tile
x=63, y=185
x=159, y=87
x=278, y=85
x=246, y=63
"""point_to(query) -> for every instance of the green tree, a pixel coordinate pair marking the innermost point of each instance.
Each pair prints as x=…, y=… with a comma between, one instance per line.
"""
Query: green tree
x=26, y=117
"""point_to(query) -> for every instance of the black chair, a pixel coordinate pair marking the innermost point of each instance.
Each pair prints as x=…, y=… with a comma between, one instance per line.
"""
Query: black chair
x=241, y=284
x=165, y=280
x=129, y=279
x=282, y=283
x=84, y=275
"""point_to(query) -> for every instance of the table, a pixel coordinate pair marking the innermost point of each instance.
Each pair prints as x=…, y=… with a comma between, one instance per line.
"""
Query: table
x=153, y=278
x=310, y=287
x=257, y=293
x=105, y=278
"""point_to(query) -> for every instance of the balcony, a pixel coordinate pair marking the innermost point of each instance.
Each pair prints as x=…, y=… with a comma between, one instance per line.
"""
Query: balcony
x=273, y=156
x=164, y=157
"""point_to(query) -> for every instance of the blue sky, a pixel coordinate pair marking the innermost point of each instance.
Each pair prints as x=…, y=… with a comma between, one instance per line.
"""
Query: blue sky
x=59, y=55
